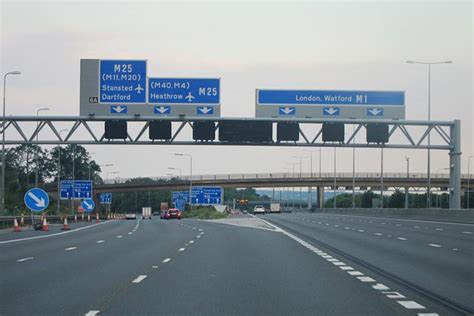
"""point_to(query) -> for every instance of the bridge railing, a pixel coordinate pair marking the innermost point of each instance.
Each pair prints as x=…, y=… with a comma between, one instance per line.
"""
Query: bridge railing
x=297, y=175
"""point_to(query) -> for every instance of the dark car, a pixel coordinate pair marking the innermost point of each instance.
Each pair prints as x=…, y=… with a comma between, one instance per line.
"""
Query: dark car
x=171, y=213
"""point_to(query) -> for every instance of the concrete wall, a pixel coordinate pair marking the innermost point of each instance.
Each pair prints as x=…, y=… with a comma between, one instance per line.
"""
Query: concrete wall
x=444, y=215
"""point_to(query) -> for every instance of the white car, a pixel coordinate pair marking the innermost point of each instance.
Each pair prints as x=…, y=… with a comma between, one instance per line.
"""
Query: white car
x=259, y=209
x=131, y=216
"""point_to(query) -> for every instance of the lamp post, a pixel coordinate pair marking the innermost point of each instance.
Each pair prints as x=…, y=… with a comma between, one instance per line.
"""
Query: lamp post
x=334, y=202
x=438, y=170
x=190, y=178
x=179, y=169
x=59, y=172
x=36, y=151
x=468, y=180
x=408, y=176
x=2, y=204
x=428, y=201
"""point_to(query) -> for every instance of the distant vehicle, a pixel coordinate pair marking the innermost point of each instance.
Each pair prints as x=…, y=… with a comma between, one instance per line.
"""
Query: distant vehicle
x=172, y=213
x=156, y=213
x=146, y=212
x=259, y=209
x=245, y=212
x=131, y=216
x=275, y=208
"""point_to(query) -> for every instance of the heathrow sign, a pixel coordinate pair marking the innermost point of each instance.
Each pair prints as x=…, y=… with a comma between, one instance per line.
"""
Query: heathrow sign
x=330, y=104
x=114, y=88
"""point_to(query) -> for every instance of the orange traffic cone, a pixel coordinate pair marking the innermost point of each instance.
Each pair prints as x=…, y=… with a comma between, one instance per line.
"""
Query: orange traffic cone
x=96, y=217
x=22, y=221
x=88, y=217
x=75, y=218
x=16, y=228
x=45, y=225
x=65, y=226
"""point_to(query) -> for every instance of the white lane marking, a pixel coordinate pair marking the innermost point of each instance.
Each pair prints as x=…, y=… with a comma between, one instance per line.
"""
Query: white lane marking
x=355, y=273
x=336, y=225
x=469, y=233
x=416, y=226
x=166, y=260
x=411, y=305
x=380, y=287
x=365, y=279
x=435, y=245
x=427, y=314
x=100, y=241
x=439, y=229
x=198, y=236
x=338, y=263
x=191, y=241
x=392, y=294
x=25, y=259
x=92, y=313
x=382, y=223
x=130, y=233
x=70, y=248
x=455, y=249
x=194, y=227
x=332, y=260
x=56, y=234
x=378, y=234
x=327, y=256
x=202, y=233
x=181, y=249
x=412, y=220
x=360, y=230
x=200, y=229
x=139, y=278
x=401, y=238
x=346, y=268
x=119, y=236
x=347, y=227
x=398, y=225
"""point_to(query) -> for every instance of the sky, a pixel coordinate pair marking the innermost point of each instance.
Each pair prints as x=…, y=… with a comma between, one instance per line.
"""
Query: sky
x=293, y=45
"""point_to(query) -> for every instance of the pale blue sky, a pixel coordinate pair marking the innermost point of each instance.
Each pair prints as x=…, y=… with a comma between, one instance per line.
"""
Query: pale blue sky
x=318, y=45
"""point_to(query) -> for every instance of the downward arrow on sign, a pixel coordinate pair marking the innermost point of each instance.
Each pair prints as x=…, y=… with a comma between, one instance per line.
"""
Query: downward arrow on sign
x=287, y=110
x=375, y=111
x=89, y=206
x=162, y=109
x=205, y=110
x=119, y=109
x=39, y=202
x=331, y=111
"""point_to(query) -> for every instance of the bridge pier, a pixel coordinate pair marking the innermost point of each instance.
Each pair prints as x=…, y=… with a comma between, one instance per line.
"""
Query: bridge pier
x=310, y=198
x=320, y=196
x=455, y=166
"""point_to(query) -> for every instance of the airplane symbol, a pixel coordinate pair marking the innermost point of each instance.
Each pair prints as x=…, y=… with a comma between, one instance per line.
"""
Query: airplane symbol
x=189, y=97
x=139, y=89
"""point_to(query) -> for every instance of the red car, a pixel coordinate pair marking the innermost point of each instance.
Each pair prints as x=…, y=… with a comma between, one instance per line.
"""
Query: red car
x=171, y=213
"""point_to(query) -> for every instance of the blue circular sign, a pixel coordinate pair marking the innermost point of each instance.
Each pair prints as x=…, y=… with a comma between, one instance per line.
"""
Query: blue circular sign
x=37, y=200
x=88, y=205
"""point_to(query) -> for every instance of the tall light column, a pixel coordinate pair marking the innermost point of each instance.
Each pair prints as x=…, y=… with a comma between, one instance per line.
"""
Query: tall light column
x=190, y=178
x=428, y=197
x=59, y=173
x=335, y=202
x=408, y=177
x=37, y=138
x=2, y=204
x=468, y=180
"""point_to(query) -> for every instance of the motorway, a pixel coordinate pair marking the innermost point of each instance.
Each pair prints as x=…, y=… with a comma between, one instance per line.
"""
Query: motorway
x=278, y=264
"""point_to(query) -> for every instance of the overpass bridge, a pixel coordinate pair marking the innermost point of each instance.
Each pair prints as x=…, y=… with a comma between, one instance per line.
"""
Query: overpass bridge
x=321, y=181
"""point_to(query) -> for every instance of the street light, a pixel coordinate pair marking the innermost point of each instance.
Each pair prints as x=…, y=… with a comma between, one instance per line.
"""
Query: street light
x=59, y=172
x=16, y=72
x=468, y=180
x=106, y=165
x=408, y=176
x=190, y=178
x=36, y=151
x=179, y=169
x=429, y=117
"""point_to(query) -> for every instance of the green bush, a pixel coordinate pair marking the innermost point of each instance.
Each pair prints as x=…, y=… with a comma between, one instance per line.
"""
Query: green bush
x=204, y=213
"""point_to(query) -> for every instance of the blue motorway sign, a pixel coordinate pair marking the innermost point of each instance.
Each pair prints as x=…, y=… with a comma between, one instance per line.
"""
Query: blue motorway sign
x=106, y=198
x=122, y=81
x=88, y=205
x=36, y=200
x=200, y=195
x=322, y=97
x=184, y=91
x=82, y=189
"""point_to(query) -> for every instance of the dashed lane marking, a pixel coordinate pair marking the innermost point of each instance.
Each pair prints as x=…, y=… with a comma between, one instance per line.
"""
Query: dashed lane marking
x=411, y=305
x=401, y=238
x=380, y=287
x=378, y=234
x=139, y=278
x=70, y=248
x=353, y=273
x=25, y=259
x=468, y=233
x=154, y=267
x=191, y=241
x=181, y=249
x=346, y=268
x=166, y=260
x=435, y=245
x=119, y=236
x=365, y=279
x=92, y=313
x=392, y=294
x=100, y=241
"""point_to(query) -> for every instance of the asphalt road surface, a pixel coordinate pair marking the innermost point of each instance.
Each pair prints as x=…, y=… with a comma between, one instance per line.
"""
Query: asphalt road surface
x=194, y=267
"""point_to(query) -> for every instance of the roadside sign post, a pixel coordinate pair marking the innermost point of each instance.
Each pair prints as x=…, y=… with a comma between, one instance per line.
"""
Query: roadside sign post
x=37, y=200
x=88, y=205
x=200, y=196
